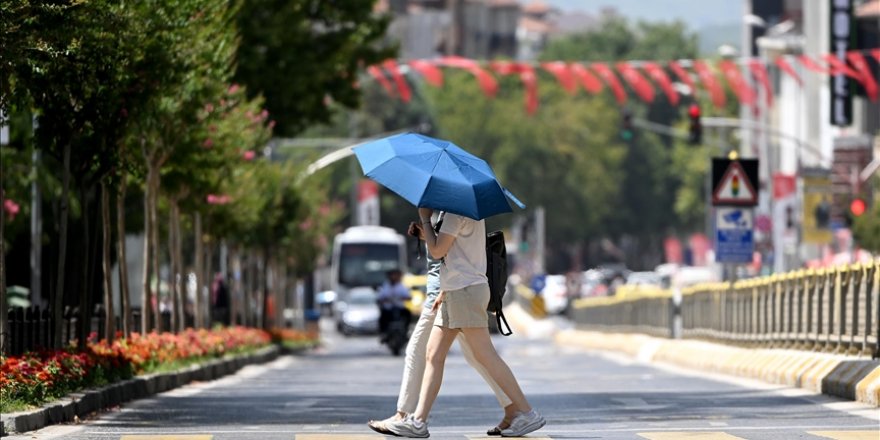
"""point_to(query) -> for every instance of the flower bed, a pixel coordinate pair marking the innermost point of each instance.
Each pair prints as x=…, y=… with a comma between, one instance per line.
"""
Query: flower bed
x=294, y=340
x=38, y=377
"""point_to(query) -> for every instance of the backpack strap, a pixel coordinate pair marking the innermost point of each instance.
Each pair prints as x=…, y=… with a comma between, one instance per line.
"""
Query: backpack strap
x=499, y=317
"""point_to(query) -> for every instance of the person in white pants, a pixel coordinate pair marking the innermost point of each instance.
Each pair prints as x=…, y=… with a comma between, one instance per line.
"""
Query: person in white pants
x=414, y=364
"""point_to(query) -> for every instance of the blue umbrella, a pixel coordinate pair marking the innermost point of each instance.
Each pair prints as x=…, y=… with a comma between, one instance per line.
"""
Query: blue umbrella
x=434, y=173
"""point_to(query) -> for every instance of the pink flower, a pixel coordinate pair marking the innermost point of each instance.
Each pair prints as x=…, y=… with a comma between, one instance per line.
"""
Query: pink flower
x=208, y=143
x=218, y=200
x=271, y=124
x=249, y=155
x=264, y=114
x=232, y=89
x=209, y=107
x=11, y=208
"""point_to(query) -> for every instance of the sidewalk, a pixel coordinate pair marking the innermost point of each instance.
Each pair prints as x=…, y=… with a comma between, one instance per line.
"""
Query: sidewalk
x=848, y=377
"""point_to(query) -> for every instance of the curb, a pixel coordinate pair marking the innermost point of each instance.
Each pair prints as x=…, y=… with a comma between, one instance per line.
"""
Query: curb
x=82, y=403
x=848, y=377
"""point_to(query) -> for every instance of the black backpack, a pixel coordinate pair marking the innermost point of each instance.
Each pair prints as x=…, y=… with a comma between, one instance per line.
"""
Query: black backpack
x=496, y=272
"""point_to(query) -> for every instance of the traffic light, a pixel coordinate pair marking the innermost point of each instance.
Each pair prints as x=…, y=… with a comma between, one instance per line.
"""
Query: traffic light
x=857, y=208
x=695, y=133
x=626, y=127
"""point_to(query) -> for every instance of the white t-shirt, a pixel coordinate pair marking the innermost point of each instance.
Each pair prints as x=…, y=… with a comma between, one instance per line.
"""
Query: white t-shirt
x=465, y=263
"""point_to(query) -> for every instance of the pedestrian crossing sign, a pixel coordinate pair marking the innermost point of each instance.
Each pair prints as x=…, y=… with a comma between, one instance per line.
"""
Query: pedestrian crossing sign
x=734, y=182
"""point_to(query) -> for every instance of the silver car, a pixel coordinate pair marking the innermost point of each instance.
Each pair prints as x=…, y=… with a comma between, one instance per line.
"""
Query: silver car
x=357, y=312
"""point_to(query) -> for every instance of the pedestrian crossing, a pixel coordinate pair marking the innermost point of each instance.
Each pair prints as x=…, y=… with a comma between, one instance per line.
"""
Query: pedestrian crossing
x=665, y=435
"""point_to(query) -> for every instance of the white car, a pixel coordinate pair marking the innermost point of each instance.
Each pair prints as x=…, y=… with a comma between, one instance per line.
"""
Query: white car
x=555, y=294
x=357, y=312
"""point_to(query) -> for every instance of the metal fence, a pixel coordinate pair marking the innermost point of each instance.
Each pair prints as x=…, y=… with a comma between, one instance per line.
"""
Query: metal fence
x=31, y=328
x=637, y=309
x=832, y=310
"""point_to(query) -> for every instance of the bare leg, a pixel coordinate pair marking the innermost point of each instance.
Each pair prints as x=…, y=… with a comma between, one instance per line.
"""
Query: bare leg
x=485, y=353
x=438, y=347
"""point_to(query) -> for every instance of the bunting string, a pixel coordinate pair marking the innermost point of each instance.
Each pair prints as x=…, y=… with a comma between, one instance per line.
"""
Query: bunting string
x=744, y=76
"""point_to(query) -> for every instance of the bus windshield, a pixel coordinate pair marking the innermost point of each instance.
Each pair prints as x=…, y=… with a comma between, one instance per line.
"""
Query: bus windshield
x=365, y=264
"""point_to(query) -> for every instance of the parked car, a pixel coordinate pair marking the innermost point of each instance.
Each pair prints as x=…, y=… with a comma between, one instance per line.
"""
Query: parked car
x=357, y=312
x=644, y=279
x=555, y=294
x=593, y=284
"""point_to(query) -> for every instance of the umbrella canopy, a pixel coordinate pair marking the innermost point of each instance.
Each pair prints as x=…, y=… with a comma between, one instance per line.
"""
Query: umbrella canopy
x=434, y=173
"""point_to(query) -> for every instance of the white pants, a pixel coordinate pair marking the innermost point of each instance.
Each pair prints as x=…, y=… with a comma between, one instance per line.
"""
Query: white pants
x=414, y=366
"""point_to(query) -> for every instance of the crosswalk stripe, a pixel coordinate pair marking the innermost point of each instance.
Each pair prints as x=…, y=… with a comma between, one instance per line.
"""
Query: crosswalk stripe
x=688, y=436
x=847, y=435
x=483, y=437
x=339, y=436
x=167, y=437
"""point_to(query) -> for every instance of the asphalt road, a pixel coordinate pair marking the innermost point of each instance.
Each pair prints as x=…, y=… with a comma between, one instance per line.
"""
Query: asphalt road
x=330, y=393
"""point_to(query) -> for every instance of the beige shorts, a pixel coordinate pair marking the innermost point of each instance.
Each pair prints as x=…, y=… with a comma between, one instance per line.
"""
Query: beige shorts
x=465, y=308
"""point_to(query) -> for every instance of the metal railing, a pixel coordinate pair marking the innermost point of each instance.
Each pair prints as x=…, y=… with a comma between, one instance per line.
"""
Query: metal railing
x=832, y=310
x=639, y=309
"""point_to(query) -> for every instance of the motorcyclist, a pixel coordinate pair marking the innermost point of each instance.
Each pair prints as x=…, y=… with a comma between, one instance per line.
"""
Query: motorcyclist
x=391, y=298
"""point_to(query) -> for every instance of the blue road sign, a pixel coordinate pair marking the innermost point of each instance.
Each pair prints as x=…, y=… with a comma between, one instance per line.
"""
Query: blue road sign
x=734, y=236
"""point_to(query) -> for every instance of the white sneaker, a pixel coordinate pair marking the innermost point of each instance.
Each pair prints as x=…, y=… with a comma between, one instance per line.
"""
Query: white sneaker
x=523, y=424
x=408, y=427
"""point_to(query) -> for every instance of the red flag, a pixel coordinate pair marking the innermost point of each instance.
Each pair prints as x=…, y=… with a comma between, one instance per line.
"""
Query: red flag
x=710, y=82
x=740, y=86
x=527, y=75
x=662, y=79
x=563, y=75
x=432, y=74
x=759, y=71
x=836, y=66
x=861, y=65
x=487, y=82
x=787, y=68
x=608, y=75
x=683, y=75
x=639, y=84
x=402, y=87
x=379, y=76
x=812, y=65
x=588, y=81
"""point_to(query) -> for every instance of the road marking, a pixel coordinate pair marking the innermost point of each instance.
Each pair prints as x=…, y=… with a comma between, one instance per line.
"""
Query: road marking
x=483, y=437
x=847, y=435
x=167, y=437
x=338, y=436
x=688, y=435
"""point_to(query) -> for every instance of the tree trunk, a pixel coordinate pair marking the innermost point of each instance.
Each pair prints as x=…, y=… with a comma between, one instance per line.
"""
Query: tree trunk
x=235, y=293
x=146, y=294
x=121, y=257
x=85, y=315
x=198, y=270
x=179, y=276
x=172, y=270
x=109, y=312
x=58, y=300
x=4, y=314
x=264, y=316
x=154, y=240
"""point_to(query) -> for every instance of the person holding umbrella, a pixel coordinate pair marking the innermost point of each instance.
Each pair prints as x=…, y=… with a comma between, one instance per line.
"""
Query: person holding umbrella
x=437, y=174
x=414, y=363
x=461, y=309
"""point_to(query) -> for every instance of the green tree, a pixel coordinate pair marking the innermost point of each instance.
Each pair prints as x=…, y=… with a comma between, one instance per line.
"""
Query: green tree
x=302, y=54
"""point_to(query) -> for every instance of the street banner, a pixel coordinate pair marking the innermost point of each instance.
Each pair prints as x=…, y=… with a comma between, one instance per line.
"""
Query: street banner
x=368, y=203
x=816, y=223
x=734, y=235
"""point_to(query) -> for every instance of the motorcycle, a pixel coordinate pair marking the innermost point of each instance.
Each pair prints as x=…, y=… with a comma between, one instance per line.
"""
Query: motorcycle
x=397, y=334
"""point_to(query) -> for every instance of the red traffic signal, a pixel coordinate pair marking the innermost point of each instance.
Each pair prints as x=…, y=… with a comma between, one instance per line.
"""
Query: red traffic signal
x=857, y=207
x=695, y=130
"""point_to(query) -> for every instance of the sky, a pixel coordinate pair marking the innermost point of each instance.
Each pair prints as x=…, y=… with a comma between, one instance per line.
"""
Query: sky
x=696, y=13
